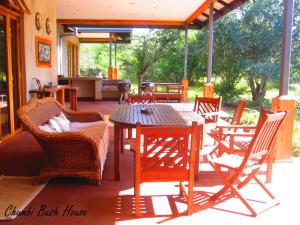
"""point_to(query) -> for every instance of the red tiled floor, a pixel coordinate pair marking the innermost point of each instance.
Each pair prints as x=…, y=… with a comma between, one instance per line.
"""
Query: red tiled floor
x=112, y=202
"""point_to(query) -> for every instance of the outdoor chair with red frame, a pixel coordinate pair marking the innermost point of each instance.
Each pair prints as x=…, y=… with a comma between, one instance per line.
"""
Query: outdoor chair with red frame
x=147, y=98
x=209, y=108
x=243, y=168
x=141, y=99
x=165, y=154
x=235, y=139
x=216, y=133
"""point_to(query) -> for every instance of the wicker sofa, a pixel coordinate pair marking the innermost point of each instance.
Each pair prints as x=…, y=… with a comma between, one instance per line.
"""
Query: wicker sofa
x=81, y=152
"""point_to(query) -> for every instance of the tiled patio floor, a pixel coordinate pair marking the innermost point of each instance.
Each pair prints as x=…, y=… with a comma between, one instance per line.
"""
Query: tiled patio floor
x=112, y=202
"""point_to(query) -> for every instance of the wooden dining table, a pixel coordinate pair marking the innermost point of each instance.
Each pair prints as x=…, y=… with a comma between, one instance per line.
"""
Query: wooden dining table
x=58, y=92
x=176, y=114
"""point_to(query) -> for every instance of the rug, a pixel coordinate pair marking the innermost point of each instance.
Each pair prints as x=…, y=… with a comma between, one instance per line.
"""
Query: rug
x=15, y=194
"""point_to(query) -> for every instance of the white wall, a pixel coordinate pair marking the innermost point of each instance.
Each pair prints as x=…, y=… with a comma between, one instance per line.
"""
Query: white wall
x=47, y=8
x=63, y=54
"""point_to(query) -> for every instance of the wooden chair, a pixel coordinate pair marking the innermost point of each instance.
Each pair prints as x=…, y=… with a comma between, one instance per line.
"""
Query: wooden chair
x=243, y=168
x=209, y=108
x=137, y=99
x=140, y=99
x=238, y=112
x=216, y=132
x=165, y=154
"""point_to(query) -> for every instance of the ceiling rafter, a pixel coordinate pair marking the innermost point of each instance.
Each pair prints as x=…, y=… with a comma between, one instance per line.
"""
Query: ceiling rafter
x=233, y=5
x=19, y=5
x=199, y=11
x=225, y=4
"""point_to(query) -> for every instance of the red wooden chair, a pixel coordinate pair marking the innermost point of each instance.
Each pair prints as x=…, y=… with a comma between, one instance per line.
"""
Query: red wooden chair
x=243, y=168
x=140, y=99
x=209, y=108
x=238, y=112
x=165, y=154
x=217, y=132
x=147, y=98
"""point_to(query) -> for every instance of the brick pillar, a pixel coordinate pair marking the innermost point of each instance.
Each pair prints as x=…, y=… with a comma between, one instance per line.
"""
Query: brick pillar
x=185, y=83
x=283, y=144
x=115, y=72
x=110, y=73
x=208, y=90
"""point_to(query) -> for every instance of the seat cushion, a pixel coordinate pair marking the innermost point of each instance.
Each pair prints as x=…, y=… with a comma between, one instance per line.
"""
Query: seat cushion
x=76, y=126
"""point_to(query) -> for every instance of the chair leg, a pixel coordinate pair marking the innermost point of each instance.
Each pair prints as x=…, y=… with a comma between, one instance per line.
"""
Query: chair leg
x=137, y=197
x=190, y=198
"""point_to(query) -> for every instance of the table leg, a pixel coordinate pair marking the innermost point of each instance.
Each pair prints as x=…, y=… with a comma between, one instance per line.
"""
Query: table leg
x=199, y=147
x=117, y=132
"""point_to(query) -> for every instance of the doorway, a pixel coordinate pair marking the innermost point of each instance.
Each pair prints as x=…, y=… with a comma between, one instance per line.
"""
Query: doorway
x=10, y=73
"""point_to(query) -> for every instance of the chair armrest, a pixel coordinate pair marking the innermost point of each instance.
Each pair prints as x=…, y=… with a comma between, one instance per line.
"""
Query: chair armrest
x=235, y=127
x=83, y=116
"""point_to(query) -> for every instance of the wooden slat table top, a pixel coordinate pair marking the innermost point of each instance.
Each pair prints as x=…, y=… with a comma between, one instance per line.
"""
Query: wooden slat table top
x=160, y=114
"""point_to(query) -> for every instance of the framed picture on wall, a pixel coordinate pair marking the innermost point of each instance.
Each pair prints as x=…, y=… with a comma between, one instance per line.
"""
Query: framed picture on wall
x=43, y=52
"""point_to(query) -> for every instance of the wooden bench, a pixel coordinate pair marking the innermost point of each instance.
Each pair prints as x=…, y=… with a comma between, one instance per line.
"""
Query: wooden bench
x=168, y=92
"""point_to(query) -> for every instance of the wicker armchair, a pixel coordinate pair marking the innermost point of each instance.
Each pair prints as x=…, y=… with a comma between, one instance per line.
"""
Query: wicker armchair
x=80, y=153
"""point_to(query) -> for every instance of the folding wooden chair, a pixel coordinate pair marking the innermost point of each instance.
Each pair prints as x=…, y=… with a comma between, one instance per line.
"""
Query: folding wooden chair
x=217, y=132
x=238, y=112
x=243, y=168
x=209, y=108
x=165, y=154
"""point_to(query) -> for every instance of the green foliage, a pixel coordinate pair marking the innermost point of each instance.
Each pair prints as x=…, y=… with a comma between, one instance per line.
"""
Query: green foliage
x=250, y=116
x=93, y=58
x=259, y=102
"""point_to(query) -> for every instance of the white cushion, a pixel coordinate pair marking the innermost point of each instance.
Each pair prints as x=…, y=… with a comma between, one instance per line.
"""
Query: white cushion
x=46, y=128
x=63, y=116
x=54, y=125
x=75, y=126
x=62, y=122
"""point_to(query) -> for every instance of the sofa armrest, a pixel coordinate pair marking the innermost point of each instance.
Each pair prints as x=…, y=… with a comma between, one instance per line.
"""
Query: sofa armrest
x=83, y=116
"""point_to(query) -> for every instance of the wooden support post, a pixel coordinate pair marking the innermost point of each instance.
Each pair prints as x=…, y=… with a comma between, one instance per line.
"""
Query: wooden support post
x=115, y=73
x=185, y=83
x=210, y=41
x=110, y=73
x=208, y=90
x=283, y=143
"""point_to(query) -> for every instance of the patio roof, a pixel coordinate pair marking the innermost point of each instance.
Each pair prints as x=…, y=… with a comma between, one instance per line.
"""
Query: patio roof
x=147, y=13
x=103, y=35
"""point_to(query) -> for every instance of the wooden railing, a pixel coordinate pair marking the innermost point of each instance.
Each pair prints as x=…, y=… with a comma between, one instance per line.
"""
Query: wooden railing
x=168, y=91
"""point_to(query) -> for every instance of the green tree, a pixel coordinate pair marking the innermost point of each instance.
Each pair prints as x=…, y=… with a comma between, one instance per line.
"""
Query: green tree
x=148, y=49
x=261, y=28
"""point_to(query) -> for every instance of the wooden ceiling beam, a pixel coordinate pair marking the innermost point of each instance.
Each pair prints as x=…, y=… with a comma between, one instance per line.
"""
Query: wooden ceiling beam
x=202, y=8
x=222, y=12
x=99, y=40
x=142, y=23
x=199, y=23
x=225, y=4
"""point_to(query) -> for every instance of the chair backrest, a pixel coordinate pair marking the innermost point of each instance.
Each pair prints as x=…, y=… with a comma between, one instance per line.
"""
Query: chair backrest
x=238, y=112
x=265, y=134
x=205, y=105
x=140, y=99
x=38, y=111
x=168, y=152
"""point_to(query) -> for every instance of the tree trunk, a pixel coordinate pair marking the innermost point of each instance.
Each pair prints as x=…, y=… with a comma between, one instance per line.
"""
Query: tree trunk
x=140, y=77
x=258, y=87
